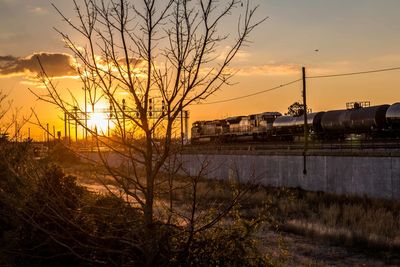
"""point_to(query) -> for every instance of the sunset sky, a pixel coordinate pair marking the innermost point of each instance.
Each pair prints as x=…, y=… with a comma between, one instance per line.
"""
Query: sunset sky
x=326, y=37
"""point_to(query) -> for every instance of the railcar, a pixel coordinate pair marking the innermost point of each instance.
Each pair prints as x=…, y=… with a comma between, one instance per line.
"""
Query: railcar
x=263, y=123
x=239, y=128
x=368, y=121
x=379, y=121
x=206, y=131
x=290, y=127
x=251, y=127
x=393, y=116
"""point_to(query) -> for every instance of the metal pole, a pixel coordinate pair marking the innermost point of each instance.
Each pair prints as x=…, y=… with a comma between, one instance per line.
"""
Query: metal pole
x=181, y=125
x=47, y=135
x=109, y=118
x=305, y=122
x=16, y=130
x=65, y=125
x=29, y=133
x=69, y=130
x=86, y=118
x=54, y=132
x=187, y=125
x=123, y=120
x=76, y=123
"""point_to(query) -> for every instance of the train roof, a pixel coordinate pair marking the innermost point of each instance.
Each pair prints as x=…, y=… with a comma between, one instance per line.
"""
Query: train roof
x=209, y=121
x=274, y=113
x=267, y=113
x=289, y=121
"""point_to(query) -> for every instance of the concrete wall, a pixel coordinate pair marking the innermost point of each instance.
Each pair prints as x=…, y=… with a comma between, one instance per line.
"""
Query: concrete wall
x=377, y=177
x=374, y=176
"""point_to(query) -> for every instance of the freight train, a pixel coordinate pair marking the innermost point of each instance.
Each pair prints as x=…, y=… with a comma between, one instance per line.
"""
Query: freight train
x=382, y=121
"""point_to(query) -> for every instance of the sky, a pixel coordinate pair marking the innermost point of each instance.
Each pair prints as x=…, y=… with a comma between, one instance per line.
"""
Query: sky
x=326, y=37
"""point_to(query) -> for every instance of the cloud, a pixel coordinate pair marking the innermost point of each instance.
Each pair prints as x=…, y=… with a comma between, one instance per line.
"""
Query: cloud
x=269, y=69
x=7, y=58
x=241, y=56
x=55, y=65
x=38, y=10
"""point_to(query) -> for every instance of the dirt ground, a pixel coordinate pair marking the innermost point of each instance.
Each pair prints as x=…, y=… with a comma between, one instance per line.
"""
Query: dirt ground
x=288, y=249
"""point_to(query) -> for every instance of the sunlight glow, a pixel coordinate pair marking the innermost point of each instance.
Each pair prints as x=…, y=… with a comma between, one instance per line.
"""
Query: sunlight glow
x=99, y=121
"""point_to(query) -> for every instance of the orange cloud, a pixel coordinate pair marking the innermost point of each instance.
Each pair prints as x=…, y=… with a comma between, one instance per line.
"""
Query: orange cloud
x=268, y=69
x=55, y=65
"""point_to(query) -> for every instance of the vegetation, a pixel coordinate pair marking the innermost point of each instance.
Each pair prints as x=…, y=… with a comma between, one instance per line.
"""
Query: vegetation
x=295, y=109
x=48, y=219
x=345, y=220
x=161, y=56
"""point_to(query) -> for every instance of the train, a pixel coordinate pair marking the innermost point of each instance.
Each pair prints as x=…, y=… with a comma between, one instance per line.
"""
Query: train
x=381, y=121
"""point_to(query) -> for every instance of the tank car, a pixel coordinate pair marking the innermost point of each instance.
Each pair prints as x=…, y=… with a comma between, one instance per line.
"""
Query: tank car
x=367, y=119
x=393, y=116
x=292, y=126
x=338, y=123
x=335, y=121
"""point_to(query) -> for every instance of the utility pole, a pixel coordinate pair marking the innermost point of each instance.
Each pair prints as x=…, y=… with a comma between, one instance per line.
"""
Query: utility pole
x=65, y=125
x=69, y=130
x=186, y=125
x=16, y=131
x=86, y=117
x=109, y=118
x=182, y=126
x=47, y=135
x=76, y=123
x=305, y=122
x=123, y=120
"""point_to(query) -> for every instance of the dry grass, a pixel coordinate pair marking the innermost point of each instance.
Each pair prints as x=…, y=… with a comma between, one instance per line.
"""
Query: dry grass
x=347, y=220
x=355, y=221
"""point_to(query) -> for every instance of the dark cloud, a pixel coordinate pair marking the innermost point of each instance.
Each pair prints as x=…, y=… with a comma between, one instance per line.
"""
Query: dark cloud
x=134, y=62
x=7, y=58
x=55, y=65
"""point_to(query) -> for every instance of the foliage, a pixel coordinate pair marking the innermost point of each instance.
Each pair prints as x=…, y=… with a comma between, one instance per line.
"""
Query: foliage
x=295, y=109
x=63, y=155
x=226, y=245
x=162, y=56
x=47, y=219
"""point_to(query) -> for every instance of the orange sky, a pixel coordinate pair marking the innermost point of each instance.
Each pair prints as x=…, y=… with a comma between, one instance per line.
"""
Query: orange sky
x=349, y=36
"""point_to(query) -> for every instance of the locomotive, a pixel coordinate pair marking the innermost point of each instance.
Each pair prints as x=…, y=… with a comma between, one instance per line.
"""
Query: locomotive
x=379, y=121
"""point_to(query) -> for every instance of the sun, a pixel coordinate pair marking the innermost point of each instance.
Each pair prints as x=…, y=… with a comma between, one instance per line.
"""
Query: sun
x=98, y=121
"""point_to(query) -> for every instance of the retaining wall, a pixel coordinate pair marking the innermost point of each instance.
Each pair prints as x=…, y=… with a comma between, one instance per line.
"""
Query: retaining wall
x=377, y=177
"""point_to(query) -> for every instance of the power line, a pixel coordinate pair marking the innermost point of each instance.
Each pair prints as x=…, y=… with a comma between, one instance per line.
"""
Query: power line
x=295, y=81
x=253, y=94
x=353, y=73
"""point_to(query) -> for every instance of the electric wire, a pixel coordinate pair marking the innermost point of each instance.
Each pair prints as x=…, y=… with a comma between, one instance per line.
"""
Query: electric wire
x=295, y=81
x=352, y=73
x=252, y=94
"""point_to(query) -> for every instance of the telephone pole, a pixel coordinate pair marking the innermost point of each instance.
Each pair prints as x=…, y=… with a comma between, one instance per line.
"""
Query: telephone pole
x=305, y=122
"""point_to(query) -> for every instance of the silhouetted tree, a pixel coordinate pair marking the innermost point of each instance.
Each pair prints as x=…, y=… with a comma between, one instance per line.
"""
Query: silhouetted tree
x=295, y=109
x=163, y=56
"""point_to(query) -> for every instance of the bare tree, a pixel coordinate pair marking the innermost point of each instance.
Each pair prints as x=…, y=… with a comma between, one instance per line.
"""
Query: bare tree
x=5, y=107
x=163, y=56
